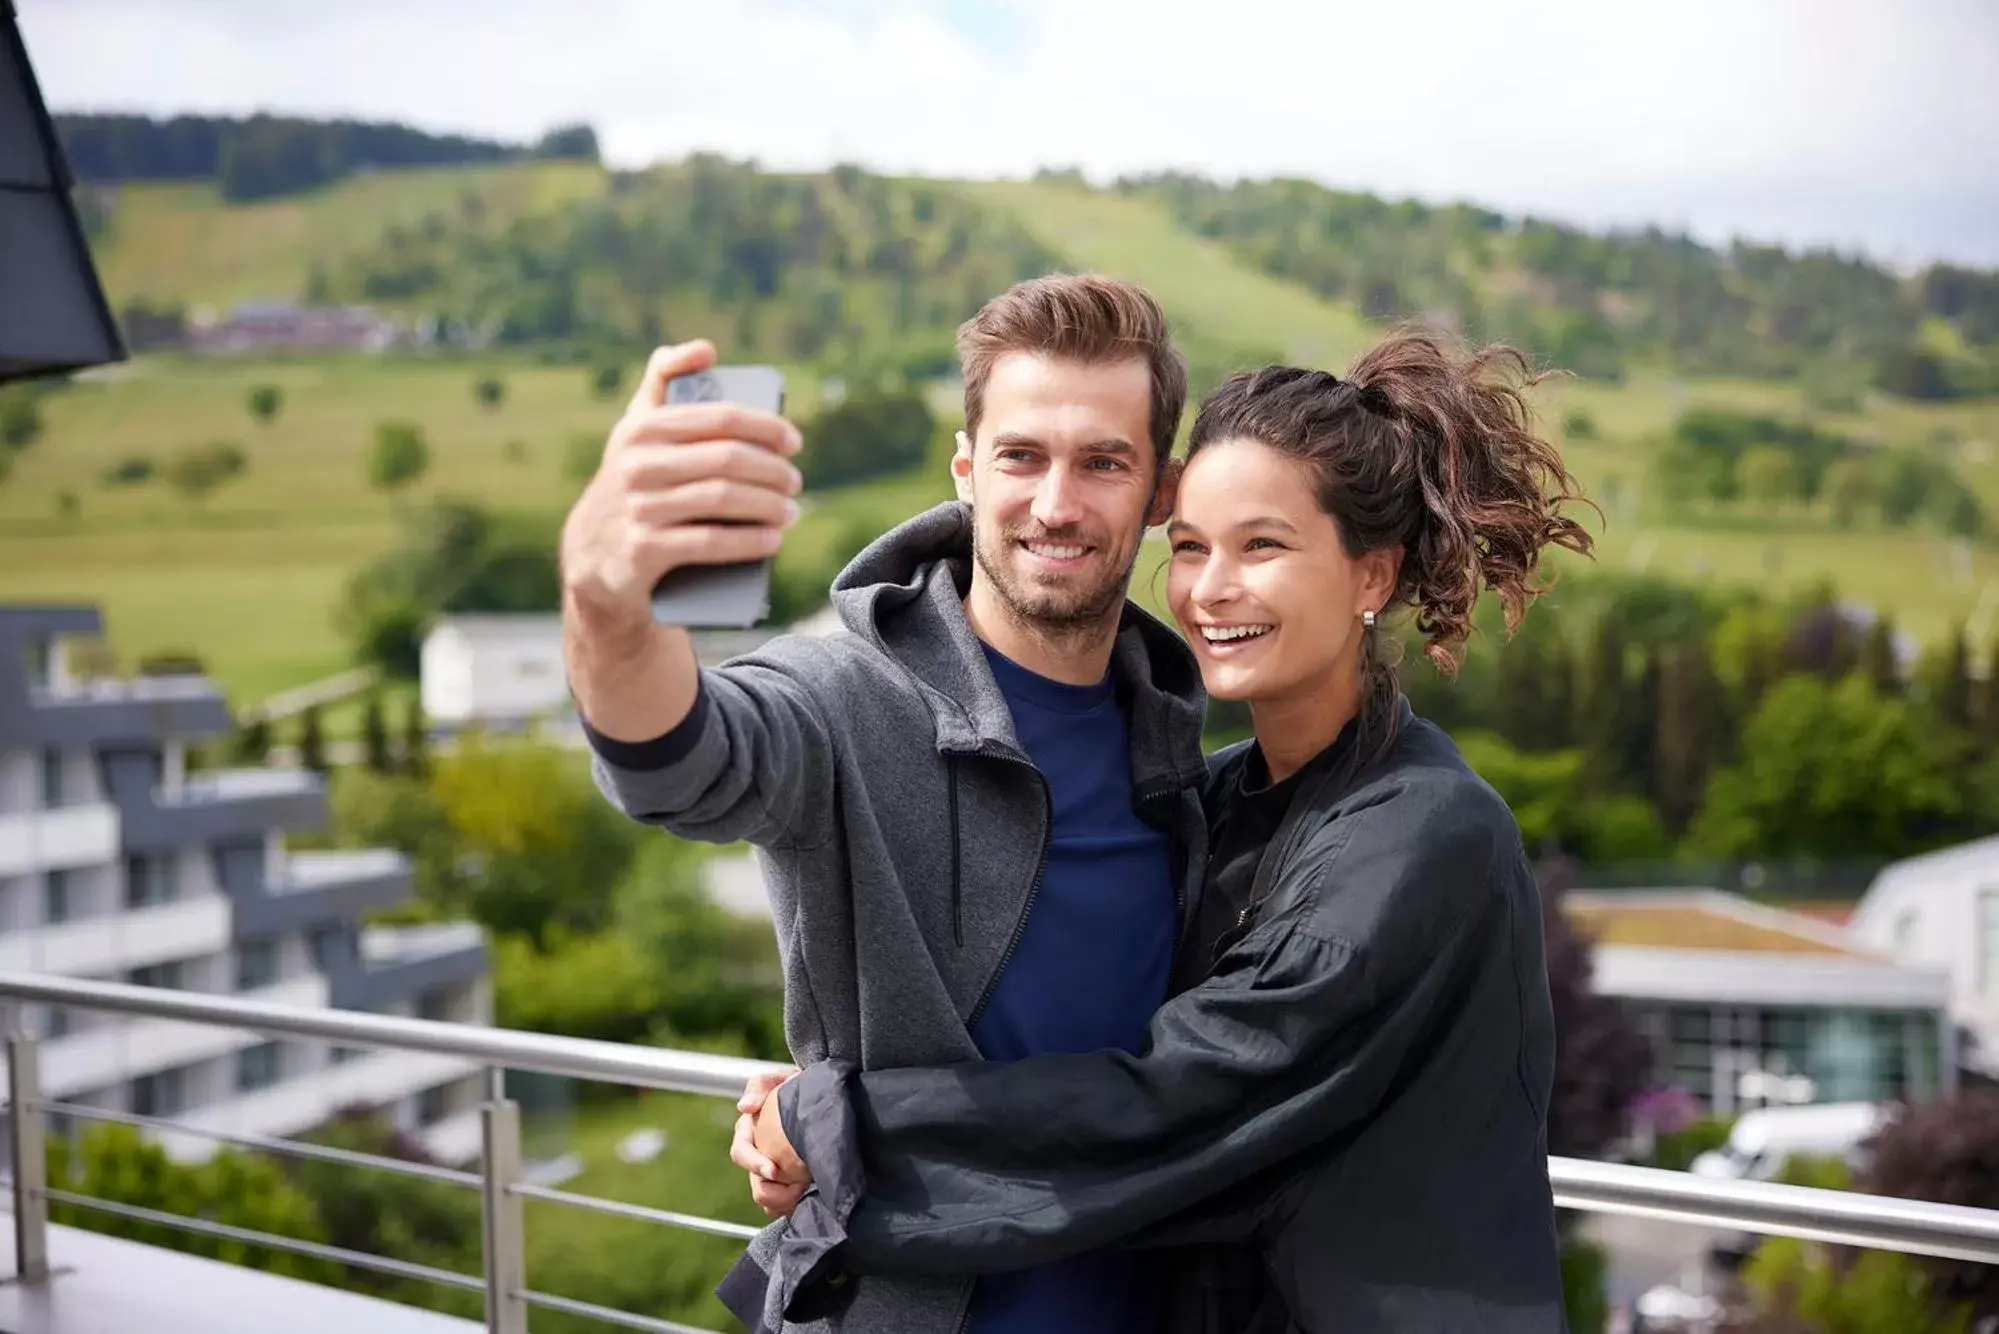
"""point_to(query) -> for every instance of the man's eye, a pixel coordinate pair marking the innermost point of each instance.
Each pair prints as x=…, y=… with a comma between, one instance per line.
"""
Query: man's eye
x=1116, y=464
x=1263, y=544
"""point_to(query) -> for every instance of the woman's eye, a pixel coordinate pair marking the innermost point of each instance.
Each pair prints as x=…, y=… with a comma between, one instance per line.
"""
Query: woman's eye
x=1183, y=545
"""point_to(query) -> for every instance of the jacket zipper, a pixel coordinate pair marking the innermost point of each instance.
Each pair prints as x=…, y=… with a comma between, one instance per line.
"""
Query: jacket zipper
x=1033, y=890
x=957, y=874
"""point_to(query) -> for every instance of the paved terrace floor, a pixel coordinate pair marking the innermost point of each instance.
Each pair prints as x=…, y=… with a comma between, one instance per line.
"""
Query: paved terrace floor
x=103, y=1285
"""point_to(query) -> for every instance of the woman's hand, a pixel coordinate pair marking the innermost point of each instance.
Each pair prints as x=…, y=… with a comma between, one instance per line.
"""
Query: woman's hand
x=778, y=1177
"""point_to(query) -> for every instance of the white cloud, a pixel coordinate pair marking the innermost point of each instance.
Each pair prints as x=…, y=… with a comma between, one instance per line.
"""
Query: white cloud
x=1842, y=120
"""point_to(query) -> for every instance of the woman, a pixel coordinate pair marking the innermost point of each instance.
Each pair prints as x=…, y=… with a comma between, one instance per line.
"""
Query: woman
x=1354, y=1083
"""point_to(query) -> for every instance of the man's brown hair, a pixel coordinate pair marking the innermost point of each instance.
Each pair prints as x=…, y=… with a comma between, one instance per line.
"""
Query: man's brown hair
x=1086, y=318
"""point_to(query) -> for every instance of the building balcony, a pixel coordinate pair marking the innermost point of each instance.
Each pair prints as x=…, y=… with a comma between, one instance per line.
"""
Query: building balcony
x=58, y=839
x=211, y=807
x=314, y=887
x=397, y=963
x=144, y=711
x=116, y=943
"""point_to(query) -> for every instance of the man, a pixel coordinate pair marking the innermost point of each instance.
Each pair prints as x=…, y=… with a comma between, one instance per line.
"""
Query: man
x=978, y=808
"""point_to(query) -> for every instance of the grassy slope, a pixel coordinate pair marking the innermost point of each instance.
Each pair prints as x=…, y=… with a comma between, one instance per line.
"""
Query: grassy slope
x=182, y=242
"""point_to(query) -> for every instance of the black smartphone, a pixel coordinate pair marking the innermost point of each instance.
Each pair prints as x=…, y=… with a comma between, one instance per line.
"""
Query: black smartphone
x=720, y=596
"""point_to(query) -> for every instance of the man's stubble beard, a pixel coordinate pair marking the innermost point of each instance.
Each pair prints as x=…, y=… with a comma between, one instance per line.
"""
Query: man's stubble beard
x=1087, y=614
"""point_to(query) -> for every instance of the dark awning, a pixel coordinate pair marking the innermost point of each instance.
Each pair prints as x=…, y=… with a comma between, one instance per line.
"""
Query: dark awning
x=53, y=315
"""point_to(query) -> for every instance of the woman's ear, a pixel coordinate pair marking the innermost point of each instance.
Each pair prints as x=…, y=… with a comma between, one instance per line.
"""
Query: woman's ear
x=1379, y=572
x=961, y=468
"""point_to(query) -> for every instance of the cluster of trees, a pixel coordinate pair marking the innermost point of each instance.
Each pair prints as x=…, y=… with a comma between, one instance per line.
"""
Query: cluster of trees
x=261, y=156
x=1719, y=457
x=1636, y=721
x=862, y=273
x=1592, y=303
x=20, y=422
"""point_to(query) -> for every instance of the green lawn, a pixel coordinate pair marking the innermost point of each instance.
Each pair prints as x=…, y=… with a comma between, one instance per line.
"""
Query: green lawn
x=663, y=1272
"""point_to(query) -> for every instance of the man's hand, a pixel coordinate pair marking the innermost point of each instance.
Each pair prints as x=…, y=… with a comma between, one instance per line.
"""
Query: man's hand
x=778, y=1177
x=686, y=484
x=668, y=475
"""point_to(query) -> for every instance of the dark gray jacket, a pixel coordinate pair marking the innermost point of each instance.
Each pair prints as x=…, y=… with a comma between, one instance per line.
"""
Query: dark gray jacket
x=1358, y=1092
x=899, y=825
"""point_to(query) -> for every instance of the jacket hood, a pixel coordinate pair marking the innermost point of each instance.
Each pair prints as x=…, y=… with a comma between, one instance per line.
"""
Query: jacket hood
x=904, y=593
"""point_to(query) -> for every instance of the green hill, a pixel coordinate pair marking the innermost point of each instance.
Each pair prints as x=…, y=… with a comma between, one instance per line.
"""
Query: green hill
x=837, y=274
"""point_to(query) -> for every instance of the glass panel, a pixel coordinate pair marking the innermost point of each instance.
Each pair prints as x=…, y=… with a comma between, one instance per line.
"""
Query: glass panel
x=55, y=896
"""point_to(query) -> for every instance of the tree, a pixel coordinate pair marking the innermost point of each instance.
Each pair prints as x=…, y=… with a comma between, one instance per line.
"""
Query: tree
x=196, y=471
x=416, y=740
x=1987, y=734
x=311, y=741
x=400, y=456
x=867, y=435
x=253, y=741
x=375, y=736
x=1689, y=732
x=1947, y=680
x=1767, y=475
x=1851, y=490
x=604, y=381
x=1602, y=1061
x=1879, y=662
x=264, y=400
x=541, y=843
x=490, y=391
x=1831, y=769
x=20, y=417
x=1946, y=1152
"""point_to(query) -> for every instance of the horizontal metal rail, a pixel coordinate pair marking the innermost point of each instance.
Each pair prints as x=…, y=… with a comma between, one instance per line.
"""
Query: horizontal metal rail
x=1843, y=1217
x=267, y=1144
x=692, y=1222
x=610, y=1315
x=1847, y=1218
x=252, y=1237
x=575, y=1058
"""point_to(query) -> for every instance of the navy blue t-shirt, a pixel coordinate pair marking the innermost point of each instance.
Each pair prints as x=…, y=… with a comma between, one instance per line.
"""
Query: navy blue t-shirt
x=1092, y=964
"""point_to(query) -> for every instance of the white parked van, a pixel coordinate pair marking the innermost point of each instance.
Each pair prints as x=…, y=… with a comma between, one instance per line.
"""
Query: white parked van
x=1762, y=1141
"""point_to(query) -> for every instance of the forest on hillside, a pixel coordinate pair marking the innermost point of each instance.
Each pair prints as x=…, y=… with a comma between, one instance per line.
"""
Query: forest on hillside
x=1593, y=303
x=262, y=157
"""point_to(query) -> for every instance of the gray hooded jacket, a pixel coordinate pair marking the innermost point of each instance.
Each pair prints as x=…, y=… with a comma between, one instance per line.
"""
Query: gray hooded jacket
x=901, y=830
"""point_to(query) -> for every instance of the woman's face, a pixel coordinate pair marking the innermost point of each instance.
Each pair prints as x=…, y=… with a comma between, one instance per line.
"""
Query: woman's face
x=1259, y=581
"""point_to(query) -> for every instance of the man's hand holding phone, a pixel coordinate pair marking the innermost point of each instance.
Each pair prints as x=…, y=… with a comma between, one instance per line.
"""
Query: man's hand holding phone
x=681, y=484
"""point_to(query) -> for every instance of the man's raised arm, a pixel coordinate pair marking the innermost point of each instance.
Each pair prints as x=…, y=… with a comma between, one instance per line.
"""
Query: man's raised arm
x=681, y=484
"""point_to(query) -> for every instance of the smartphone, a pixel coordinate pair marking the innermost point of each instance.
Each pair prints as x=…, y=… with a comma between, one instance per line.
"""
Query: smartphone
x=720, y=596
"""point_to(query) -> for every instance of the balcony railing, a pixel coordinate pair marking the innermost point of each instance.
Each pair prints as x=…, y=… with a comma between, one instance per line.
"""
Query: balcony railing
x=1841, y=1217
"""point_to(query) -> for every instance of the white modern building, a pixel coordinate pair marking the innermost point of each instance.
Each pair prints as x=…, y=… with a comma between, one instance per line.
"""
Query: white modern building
x=505, y=671
x=1748, y=1004
x=118, y=864
x=1941, y=910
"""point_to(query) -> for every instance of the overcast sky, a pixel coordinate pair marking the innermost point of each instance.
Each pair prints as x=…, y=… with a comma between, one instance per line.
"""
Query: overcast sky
x=1861, y=123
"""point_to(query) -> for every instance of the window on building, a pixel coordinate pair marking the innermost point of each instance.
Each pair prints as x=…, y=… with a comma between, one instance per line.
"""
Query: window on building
x=1988, y=939
x=158, y=1094
x=55, y=1023
x=149, y=880
x=434, y=1004
x=164, y=975
x=56, y=905
x=54, y=790
x=256, y=964
x=433, y=1105
x=257, y=1067
x=327, y=947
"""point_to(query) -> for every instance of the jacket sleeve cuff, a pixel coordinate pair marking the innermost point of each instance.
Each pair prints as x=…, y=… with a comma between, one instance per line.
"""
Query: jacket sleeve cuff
x=808, y=1280
x=660, y=752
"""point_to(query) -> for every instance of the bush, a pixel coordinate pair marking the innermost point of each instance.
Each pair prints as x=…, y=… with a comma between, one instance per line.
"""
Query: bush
x=264, y=400
x=490, y=391
x=133, y=470
x=1585, y=1278
x=400, y=456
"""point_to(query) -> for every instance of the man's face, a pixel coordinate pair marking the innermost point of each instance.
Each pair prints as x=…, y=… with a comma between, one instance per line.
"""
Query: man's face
x=1060, y=480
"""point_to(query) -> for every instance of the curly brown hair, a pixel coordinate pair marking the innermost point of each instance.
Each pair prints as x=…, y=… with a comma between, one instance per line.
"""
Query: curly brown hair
x=1427, y=447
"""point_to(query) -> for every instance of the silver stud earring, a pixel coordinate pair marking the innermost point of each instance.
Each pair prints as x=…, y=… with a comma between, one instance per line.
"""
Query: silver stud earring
x=1367, y=618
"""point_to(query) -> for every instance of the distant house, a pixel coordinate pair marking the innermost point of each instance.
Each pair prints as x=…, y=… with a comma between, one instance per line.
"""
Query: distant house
x=1747, y=1003
x=505, y=672
x=262, y=326
x=1941, y=910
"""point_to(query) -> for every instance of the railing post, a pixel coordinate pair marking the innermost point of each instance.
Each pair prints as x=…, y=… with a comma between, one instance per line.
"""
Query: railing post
x=502, y=1227
x=28, y=1140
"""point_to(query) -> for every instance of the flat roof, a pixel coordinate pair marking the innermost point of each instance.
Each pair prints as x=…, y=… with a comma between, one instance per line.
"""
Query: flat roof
x=1699, y=926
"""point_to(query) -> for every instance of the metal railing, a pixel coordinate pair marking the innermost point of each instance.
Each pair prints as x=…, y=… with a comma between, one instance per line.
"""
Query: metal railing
x=1842, y=1217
